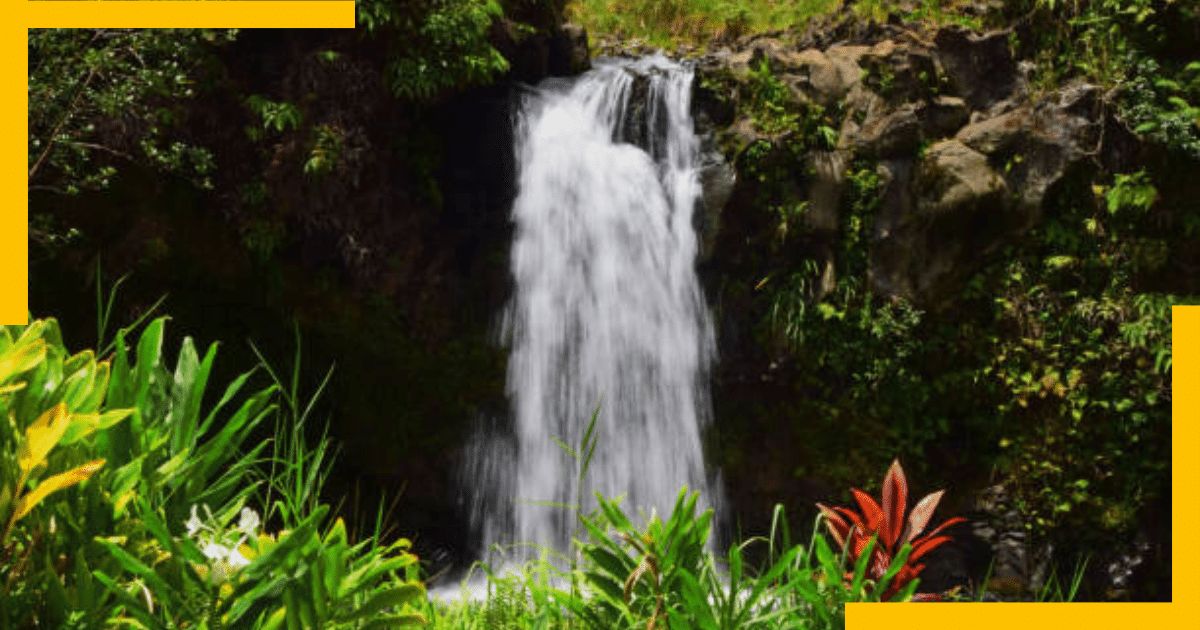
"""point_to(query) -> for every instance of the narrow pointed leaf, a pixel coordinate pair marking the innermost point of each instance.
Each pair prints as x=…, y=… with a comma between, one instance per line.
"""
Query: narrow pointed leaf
x=954, y=521
x=84, y=424
x=927, y=545
x=871, y=510
x=836, y=524
x=54, y=484
x=895, y=497
x=921, y=513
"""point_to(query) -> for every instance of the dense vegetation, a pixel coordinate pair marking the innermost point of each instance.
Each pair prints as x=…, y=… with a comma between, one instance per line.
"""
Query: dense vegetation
x=120, y=491
x=130, y=495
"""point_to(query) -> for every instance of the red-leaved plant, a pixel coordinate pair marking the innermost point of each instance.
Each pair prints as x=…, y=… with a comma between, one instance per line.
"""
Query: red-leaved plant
x=888, y=522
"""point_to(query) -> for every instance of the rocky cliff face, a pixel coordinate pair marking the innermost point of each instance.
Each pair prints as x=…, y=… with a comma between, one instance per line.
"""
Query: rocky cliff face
x=965, y=149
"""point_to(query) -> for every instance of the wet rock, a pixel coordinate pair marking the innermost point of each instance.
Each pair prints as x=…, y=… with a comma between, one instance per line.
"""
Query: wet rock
x=571, y=45
x=635, y=128
x=714, y=94
x=717, y=179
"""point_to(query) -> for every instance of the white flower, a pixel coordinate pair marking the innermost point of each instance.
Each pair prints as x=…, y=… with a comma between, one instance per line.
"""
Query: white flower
x=216, y=552
x=194, y=524
x=224, y=559
x=249, y=522
x=237, y=560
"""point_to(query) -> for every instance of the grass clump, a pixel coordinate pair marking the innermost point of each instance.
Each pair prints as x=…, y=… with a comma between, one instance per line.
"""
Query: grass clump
x=669, y=23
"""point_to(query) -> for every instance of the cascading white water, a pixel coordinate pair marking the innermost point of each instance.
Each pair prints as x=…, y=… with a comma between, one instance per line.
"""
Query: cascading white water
x=607, y=312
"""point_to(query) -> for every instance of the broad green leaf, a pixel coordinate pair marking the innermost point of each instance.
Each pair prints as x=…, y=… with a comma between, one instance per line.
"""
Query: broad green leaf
x=274, y=622
x=78, y=361
x=84, y=424
x=91, y=402
x=390, y=598
x=302, y=536
x=21, y=358
x=318, y=593
x=368, y=575
x=120, y=383
x=166, y=472
x=77, y=387
x=148, y=368
x=187, y=390
x=411, y=620
x=614, y=514
x=248, y=595
x=131, y=564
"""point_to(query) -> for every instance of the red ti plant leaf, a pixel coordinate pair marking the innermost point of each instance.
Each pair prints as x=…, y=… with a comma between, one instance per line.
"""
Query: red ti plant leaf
x=926, y=546
x=888, y=522
x=920, y=515
x=836, y=524
x=895, y=494
x=871, y=510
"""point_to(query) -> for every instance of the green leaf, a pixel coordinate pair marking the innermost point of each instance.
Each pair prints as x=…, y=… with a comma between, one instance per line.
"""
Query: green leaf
x=303, y=536
x=157, y=585
x=411, y=620
x=84, y=424
x=394, y=597
x=135, y=607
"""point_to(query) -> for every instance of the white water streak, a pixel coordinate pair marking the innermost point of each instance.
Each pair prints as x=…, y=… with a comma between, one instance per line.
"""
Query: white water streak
x=608, y=311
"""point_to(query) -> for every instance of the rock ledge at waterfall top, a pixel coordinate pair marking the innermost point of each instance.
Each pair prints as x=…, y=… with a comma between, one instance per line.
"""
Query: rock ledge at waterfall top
x=967, y=151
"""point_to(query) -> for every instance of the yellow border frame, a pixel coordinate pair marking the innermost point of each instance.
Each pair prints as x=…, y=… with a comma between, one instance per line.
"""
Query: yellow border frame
x=340, y=14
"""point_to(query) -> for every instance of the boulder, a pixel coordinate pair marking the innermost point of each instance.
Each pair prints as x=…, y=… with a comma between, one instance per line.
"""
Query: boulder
x=899, y=71
x=954, y=178
x=980, y=66
x=828, y=175
x=823, y=79
x=942, y=116
x=956, y=215
x=897, y=133
x=1037, y=146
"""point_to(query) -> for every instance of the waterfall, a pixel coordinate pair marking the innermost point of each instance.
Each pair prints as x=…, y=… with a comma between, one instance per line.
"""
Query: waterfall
x=607, y=313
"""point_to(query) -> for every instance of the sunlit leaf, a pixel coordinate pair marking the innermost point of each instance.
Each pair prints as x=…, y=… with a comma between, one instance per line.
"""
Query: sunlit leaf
x=42, y=436
x=55, y=483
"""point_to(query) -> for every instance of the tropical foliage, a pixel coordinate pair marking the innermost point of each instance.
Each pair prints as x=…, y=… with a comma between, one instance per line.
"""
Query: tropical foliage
x=106, y=467
x=885, y=526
